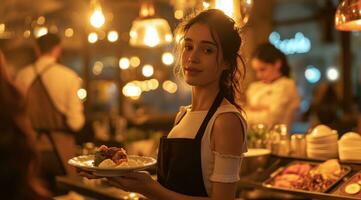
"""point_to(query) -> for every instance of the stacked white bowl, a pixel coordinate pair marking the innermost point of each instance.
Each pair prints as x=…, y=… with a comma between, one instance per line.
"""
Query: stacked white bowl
x=322, y=143
x=349, y=146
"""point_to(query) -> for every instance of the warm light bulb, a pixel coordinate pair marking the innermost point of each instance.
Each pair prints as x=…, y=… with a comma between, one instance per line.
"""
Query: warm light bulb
x=167, y=58
x=226, y=6
x=148, y=70
x=124, y=63
x=113, y=36
x=98, y=68
x=40, y=31
x=97, y=19
x=178, y=14
x=82, y=94
x=131, y=90
x=27, y=34
x=153, y=84
x=134, y=61
x=92, y=37
x=69, y=32
x=151, y=38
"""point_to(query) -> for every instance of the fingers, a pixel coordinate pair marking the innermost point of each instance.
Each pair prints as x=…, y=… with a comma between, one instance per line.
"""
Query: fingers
x=119, y=183
x=136, y=175
x=88, y=175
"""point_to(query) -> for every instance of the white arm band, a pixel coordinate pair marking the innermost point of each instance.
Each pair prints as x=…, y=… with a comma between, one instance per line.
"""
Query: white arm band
x=226, y=168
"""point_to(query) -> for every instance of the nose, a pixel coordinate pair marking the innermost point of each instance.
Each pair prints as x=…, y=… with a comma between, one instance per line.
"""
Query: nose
x=194, y=56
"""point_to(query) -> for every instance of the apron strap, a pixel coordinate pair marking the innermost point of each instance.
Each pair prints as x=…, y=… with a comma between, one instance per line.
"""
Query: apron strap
x=217, y=101
x=39, y=75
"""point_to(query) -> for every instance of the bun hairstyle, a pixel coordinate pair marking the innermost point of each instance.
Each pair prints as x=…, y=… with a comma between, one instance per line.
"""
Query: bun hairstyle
x=225, y=29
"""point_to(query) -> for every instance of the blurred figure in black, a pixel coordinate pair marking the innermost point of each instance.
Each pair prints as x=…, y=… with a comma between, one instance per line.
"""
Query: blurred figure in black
x=18, y=156
x=326, y=108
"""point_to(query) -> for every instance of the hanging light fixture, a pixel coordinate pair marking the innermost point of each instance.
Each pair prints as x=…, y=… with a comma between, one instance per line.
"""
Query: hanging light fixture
x=238, y=10
x=348, y=15
x=97, y=18
x=149, y=30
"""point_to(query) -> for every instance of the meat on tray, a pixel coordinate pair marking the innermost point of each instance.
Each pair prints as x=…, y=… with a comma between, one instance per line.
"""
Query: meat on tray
x=307, y=176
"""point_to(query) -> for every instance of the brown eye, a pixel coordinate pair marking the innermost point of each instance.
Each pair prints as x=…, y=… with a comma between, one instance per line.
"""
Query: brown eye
x=188, y=47
x=208, y=50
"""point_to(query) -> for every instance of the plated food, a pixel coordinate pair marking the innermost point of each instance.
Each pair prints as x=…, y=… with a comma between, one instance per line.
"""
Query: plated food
x=306, y=176
x=111, y=161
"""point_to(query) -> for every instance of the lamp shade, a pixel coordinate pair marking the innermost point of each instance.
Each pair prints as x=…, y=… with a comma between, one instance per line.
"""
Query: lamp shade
x=150, y=32
x=348, y=15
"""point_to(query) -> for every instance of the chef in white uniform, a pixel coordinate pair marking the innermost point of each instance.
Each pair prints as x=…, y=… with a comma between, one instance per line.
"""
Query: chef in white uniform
x=273, y=99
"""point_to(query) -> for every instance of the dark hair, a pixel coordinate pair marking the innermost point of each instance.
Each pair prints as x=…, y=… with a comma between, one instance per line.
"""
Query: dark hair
x=18, y=157
x=47, y=42
x=268, y=53
x=224, y=28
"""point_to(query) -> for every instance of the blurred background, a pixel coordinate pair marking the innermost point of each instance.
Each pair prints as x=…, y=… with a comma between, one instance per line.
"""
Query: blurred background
x=128, y=82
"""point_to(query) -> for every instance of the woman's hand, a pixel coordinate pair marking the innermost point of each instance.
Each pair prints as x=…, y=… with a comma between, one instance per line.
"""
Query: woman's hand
x=87, y=174
x=140, y=182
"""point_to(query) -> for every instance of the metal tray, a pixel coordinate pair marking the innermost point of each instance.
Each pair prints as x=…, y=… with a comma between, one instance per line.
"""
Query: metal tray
x=353, y=179
x=267, y=183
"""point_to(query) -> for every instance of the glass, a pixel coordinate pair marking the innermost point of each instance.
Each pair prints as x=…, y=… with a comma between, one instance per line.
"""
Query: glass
x=257, y=135
x=298, y=145
x=279, y=139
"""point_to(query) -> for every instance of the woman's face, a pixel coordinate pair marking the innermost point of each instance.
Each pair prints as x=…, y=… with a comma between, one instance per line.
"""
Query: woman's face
x=202, y=59
x=266, y=72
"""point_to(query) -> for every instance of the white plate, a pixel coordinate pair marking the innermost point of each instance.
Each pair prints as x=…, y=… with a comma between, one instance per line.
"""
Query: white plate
x=86, y=163
x=256, y=152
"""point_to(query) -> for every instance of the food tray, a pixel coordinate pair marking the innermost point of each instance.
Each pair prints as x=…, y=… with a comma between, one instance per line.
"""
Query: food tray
x=354, y=179
x=269, y=182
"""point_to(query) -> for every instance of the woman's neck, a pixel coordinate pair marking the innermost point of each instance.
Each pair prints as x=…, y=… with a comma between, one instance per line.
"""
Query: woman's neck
x=278, y=76
x=202, y=98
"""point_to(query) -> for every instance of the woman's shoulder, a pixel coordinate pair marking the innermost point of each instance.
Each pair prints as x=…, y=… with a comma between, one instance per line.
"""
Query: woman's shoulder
x=228, y=132
x=286, y=80
x=229, y=113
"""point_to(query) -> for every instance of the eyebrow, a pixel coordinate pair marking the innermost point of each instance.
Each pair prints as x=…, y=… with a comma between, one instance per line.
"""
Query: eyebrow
x=202, y=41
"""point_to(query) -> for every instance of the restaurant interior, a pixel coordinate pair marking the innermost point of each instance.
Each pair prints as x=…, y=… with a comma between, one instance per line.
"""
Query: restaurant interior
x=123, y=52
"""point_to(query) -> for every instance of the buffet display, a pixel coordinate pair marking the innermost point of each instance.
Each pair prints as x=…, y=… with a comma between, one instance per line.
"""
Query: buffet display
x=308, y=176
x=318, y=163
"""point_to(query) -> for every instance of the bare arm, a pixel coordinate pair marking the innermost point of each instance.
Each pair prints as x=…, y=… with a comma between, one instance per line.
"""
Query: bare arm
x=227, y=138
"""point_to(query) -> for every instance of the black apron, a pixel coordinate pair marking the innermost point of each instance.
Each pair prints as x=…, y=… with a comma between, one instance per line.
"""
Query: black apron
x=179, y=160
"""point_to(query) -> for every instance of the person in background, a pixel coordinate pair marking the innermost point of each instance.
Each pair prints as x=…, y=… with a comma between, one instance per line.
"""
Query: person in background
x=18, y=156
x=201, y=156
x=52, y=102
x=273, y=99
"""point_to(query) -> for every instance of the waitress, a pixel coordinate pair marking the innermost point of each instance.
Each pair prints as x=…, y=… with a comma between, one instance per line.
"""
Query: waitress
x=273, y=99
x=201, y=156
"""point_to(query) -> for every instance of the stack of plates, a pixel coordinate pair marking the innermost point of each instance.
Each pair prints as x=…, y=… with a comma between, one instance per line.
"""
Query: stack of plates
x=349, y=146
x=322, y=143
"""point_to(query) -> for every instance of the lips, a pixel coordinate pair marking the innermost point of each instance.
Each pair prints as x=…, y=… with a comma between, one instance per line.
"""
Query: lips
x=191, y=70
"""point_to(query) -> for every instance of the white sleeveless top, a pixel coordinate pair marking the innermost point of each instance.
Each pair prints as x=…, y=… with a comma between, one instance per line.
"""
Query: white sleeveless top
x=216, y=167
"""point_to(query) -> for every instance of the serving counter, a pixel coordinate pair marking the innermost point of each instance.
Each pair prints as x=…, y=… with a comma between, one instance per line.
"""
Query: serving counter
x=253, y=185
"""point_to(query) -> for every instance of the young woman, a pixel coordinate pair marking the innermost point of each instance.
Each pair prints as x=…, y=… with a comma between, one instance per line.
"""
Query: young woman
x=274, y=98
x=201, y=156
